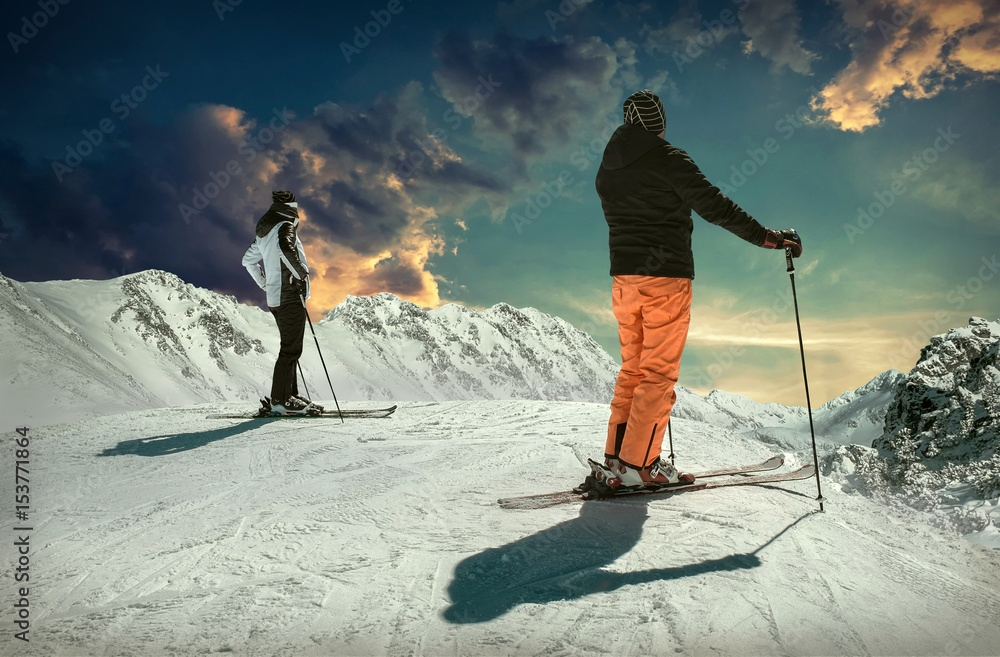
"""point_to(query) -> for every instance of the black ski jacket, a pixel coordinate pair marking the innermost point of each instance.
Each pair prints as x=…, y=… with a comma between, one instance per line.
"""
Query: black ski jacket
x=648, y=188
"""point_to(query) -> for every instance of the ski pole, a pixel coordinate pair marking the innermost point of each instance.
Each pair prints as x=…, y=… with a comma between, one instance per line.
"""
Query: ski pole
x=805, y=378
x=309, y=322
x=670, y=434
x=303, y=377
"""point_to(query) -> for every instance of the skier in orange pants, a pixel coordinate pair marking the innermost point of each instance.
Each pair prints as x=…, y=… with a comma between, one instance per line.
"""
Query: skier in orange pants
x=653, y=314
x=648, y=188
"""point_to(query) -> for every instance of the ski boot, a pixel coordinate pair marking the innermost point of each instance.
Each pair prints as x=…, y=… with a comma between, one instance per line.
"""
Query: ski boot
x=613, y=477
x=292, y=406
x=312, y=408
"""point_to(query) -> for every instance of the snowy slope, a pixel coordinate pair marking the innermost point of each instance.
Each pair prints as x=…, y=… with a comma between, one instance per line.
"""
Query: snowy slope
x=159, y=532
x=82, y=348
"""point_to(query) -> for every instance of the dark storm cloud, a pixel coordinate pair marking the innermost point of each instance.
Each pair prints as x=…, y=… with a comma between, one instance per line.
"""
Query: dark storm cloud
x=116, y=213
x=531, y=95
x=352, y=159
x=185, y=197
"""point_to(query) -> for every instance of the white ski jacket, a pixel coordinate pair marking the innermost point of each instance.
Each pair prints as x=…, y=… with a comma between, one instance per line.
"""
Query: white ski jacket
x=275, y=252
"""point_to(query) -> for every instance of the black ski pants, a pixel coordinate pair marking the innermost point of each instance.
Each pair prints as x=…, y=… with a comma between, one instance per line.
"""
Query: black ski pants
x=291, y=318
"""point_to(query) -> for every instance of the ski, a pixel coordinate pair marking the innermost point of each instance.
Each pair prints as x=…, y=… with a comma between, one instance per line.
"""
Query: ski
x=355, y=413
x=772, y=463
x=567, y=497
x=561, y=497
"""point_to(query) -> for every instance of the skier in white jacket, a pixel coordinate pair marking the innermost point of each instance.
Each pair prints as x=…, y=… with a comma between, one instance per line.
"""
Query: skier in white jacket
x=286, y=279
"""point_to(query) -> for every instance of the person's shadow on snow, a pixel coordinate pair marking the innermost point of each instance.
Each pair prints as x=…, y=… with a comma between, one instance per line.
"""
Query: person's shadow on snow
x=565, y=562
x=172, y=443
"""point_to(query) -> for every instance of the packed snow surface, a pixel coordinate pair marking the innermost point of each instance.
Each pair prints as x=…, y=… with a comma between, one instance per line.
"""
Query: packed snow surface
x=161, y=532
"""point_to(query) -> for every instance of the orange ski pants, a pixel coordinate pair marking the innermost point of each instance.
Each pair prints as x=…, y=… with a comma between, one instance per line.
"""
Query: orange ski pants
x=653, y=314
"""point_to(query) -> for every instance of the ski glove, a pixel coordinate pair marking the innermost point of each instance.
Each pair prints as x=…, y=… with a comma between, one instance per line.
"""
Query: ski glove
x=779, y=239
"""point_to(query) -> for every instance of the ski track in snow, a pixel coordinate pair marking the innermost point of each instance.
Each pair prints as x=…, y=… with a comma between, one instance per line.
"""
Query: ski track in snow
x=165, y=533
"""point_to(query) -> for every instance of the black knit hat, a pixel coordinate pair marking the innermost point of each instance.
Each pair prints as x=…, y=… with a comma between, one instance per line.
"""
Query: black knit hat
x=282, y=197
x=643, y=108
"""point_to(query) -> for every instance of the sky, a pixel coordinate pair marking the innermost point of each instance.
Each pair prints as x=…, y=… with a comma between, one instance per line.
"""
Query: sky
x=446, y=152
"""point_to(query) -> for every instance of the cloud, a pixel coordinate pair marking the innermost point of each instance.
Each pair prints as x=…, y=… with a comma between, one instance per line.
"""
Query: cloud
x=367, y=227
x=688, y=32
x=963, y=190
x=529, y=98
x=917, y=49
x=379, y=185
x=366, y=177
x=772, y=28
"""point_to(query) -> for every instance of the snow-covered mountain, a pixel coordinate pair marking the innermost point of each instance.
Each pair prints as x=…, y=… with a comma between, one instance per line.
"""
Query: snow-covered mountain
x=455, y=352
x=83, y=348
x=939, y=451
x=75, y=349
x=855, y=417
x=162, y=532
x=146, y=340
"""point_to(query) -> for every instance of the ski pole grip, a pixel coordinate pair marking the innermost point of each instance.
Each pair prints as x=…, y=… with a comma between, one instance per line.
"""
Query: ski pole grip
x=788, y=259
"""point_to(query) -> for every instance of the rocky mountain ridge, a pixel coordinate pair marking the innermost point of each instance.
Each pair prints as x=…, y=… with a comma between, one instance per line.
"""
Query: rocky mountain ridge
x=939, y=450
